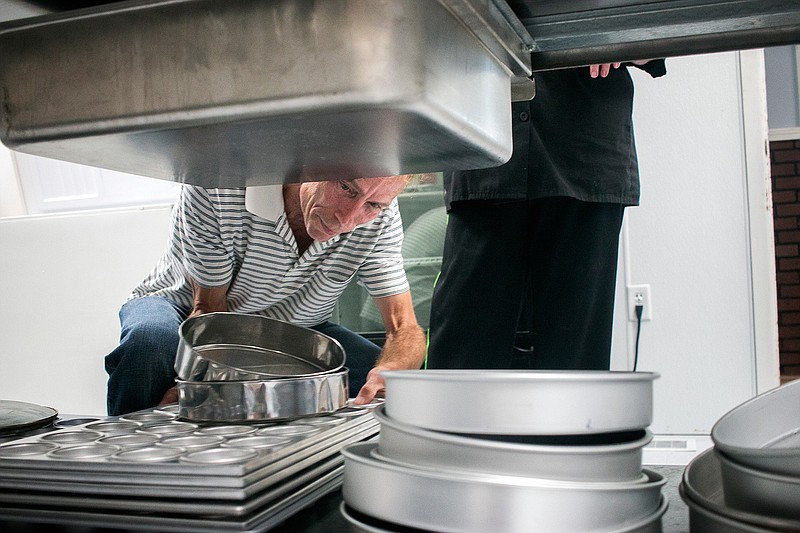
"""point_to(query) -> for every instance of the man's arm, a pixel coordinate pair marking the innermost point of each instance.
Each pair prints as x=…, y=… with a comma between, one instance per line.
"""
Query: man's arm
x=404, y=348
x=205, y=301
x=208, y=300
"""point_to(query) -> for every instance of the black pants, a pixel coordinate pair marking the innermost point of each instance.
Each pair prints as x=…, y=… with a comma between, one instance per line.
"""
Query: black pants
x=551, y=261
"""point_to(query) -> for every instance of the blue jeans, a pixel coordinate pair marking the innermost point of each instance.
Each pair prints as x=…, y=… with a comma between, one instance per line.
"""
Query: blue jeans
x=141, y=369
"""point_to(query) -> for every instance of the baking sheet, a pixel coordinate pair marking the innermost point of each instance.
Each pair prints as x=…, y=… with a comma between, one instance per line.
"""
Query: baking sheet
x=110, y=468
x=179, y=496
x=218, y=481
x=260, y=520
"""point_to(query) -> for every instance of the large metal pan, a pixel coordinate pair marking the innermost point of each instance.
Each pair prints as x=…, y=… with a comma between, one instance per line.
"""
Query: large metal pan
x=701, y=489
x=237, y=346
x=361, y=523
x=450, y=502
x=610, y=458
x=759, y=492
x=251, y=401
x=764, y=432
x=521, y=402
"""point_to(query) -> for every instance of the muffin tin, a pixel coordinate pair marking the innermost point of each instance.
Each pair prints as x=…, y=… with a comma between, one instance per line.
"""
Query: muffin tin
x=185, y=474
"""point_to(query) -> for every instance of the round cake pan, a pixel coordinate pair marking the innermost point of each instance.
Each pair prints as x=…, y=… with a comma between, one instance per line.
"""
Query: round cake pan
x=250, y=401
x=759, y=492
x=237, y=346
x=521, y=402
x=701, y=489
x=613, y=457
x=361, y=523
x=764, y=432
x=451, y=502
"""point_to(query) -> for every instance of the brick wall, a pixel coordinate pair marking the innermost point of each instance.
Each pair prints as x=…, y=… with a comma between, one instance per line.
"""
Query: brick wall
x=785, y=163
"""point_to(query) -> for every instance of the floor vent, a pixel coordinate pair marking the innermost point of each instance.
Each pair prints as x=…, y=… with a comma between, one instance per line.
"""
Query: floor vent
x=674, y=449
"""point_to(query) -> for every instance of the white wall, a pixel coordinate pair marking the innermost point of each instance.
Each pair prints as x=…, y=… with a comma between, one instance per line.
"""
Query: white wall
x=63, y=280
x=702, y=239
x=11, y=201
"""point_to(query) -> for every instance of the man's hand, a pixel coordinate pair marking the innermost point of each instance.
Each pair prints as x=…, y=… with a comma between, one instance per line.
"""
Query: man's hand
x=404, y=348
x=603, y=69
x=171, y=396
x=375, y=387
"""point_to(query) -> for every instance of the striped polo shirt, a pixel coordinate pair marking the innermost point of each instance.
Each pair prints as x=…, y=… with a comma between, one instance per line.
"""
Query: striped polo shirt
x=215, y=240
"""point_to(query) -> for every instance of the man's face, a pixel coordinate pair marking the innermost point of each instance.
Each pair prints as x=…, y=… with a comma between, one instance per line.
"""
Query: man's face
x=334, y=207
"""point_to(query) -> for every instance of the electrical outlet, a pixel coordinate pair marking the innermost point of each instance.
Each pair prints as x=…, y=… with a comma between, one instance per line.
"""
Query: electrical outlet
x=639, y=295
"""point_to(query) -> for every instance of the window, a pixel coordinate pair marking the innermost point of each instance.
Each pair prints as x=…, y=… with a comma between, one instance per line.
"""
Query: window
x=424, y=222
x=53, y=186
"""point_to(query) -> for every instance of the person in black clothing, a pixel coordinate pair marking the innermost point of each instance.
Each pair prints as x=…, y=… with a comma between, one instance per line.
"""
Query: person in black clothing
x=535, y=241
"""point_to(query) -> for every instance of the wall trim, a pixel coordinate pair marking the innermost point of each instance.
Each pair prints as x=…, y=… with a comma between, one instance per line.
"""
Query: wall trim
x=761, y=227
x=784, y=134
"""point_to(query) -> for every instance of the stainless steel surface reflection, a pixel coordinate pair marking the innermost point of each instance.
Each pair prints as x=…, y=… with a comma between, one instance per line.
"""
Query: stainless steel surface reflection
x=251, y=401
x=238, y=346
x=240, y=93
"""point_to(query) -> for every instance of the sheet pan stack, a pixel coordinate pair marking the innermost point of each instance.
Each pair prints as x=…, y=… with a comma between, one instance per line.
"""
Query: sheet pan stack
x=469, y=451
x=151, y=470
x=750, y=480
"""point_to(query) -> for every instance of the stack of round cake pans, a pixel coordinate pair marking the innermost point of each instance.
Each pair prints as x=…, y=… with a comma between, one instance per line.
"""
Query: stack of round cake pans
x=235, y=367
x=750, y=480
x=485, y=450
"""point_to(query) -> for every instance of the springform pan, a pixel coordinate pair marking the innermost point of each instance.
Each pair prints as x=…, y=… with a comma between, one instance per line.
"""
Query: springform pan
x=238, y=346
x=613, y=457
x=262, y=400
x=521, y=402
x=764, y=432
x=701, y=489
x=458, y=502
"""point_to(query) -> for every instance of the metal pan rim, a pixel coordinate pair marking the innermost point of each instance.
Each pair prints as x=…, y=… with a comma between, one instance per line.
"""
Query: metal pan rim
x=310, y=377
x=360, y=453
x=487, y=443
x=699, y=496
x=451, y=472
x=754, y=448
x=493, y=375
x=346, y=512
